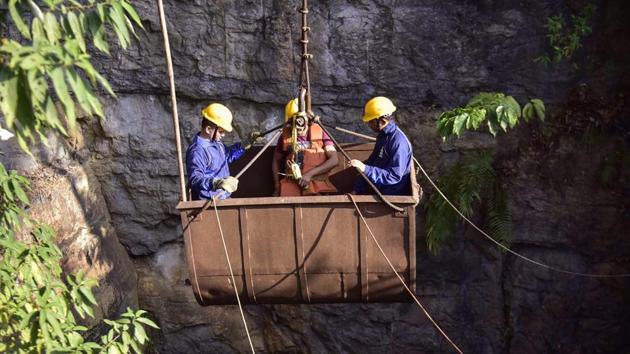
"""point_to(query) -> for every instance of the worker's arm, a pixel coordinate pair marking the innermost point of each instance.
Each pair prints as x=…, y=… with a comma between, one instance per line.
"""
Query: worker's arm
x=196, y=163
x=233, y=152
x=331, y=161
x=396, y=168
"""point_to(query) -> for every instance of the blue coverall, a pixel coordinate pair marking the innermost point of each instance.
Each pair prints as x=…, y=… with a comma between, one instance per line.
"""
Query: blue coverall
x=389, y=165
x=207, y=160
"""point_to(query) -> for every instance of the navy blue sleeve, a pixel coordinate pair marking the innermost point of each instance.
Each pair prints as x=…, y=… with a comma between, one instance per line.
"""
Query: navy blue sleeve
x=398, y=164
x=196, y=163
x=233, y=152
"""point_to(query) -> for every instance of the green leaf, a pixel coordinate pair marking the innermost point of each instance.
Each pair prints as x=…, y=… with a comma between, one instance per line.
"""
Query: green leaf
x=539, y=108
x=61, y=89
x=87, y=293
x=38, y=88
x=458, y=125
x=132, y=13
x=116, y=14
x=53, y=117
x=528, y=112
x=17, y=188
x=139, y=333
x=32, y=61
x=54, y=323
x=79, y=88
x=37, y=29
x=493, y=127
x=95, y=26
x=8, y=95
x=17, y=19
x=93, y=74
x=135, y=347
x=113, y=349
x=147, y=322
x=77, y=30
x=51, y=25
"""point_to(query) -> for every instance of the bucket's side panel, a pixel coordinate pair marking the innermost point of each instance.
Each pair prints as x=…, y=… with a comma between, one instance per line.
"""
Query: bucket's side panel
x=330, y=252
x=270, y=233
x=392, y=233
x=411, y=244
x=187, y=217
x=208, y=255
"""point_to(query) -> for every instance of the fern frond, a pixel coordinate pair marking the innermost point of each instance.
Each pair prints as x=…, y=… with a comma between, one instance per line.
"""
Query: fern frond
x=498, y=221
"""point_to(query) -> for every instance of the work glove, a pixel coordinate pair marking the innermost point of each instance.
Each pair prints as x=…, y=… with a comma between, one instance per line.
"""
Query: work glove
x=358, y=165
x=250, y=139
x=228, y=184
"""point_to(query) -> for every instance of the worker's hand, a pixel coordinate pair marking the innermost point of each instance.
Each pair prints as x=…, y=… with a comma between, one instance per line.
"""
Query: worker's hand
x=250, y=139
x=358, y=165
x=305, y=180
x=228, y=184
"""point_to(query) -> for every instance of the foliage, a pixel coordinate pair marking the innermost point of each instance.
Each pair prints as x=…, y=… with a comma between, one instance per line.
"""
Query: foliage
x=465, y=184
x=38, y=306
x=473, y=181
x=496, y=109
x=54, y=50
x=565, y=38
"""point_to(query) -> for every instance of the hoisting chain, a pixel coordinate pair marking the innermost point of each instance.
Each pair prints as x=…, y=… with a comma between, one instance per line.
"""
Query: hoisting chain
x=305, y=99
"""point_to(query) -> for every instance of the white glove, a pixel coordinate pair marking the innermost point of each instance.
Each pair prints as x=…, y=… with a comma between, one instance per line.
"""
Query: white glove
x=358, y=165
x=228, y=184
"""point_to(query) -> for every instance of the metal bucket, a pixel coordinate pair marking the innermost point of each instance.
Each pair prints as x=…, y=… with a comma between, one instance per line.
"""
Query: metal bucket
x=300, y=249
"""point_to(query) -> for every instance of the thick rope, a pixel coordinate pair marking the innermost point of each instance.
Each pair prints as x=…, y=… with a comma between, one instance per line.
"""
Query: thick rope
x=171, y=80
x=546, y=266
x=402, y=281
x=227, y=256
x=249, y=164
x=350, y=132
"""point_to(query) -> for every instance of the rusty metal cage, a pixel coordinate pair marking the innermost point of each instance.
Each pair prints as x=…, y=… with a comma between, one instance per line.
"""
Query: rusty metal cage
x=300, y=249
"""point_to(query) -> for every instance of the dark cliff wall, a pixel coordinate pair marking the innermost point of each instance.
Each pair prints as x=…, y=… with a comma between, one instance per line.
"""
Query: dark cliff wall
x=427, y=56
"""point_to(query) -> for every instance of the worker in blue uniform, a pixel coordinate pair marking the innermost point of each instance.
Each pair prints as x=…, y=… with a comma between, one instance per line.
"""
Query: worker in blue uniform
x=207, y=158
x=389, y=165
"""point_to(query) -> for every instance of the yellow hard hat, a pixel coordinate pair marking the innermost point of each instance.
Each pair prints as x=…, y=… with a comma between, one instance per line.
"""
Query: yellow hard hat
x=378, y=107
x=291, y=109
x=219, y=115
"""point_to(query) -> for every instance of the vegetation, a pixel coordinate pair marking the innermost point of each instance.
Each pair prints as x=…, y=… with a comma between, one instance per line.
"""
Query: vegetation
x=38, y=304
x=54, y=49
x=473, y=180
x=565, y=38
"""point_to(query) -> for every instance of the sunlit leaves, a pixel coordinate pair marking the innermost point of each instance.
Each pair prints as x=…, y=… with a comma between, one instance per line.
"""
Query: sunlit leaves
x=37, y=307
x=58, y=54
x=43, y=76
x=498, y=111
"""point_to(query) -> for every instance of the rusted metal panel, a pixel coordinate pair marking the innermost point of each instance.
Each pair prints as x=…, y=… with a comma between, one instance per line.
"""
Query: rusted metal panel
x=300, y=249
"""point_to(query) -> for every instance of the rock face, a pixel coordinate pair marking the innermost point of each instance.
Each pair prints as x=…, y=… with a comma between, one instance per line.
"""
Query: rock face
x=427, y=56
x=67, y=195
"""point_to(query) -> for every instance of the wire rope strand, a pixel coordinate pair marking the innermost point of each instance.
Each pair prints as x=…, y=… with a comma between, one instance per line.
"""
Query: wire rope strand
x=507, y=249
x=402, y=281
x=227, y=256
x=171, y=80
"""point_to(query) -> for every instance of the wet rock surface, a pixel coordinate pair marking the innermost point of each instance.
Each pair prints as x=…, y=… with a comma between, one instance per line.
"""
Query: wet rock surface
x=427, y=56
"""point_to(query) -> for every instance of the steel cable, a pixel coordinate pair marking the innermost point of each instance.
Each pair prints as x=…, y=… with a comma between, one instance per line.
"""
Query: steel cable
x=505, y=248
x=540, y=264
x=402, y=281
x=227, y=256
